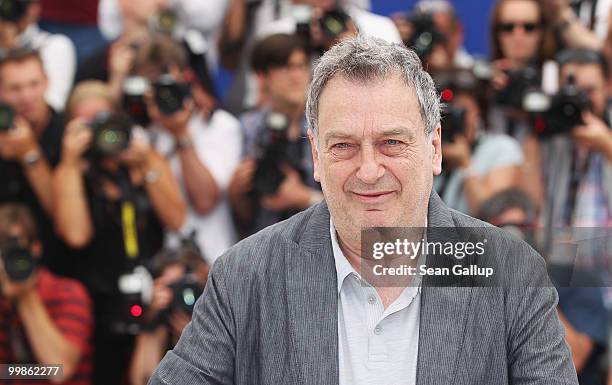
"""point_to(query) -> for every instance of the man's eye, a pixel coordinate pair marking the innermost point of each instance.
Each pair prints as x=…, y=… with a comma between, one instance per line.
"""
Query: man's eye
x=392, y=142
x=341, y=146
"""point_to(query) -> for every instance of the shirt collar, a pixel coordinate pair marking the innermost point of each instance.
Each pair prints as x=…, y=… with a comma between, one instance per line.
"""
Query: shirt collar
x=343, y=267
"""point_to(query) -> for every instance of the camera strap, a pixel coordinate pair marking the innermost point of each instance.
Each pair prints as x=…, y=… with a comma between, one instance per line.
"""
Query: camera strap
x=128, y=215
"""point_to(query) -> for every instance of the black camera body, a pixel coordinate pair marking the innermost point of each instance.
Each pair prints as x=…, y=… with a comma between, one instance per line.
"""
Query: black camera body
x=271, y=153
x=7, y=116
x=425, y=35
x=334, y=22
x=111, y=134
x=453, y=123
x=170, y=94
x=561, y=112
x=519, y=83
x=19, y=263
x=186, y=291
x=13, y=10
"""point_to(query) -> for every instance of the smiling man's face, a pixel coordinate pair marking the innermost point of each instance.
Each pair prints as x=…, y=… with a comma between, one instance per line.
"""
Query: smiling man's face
x=373, y=159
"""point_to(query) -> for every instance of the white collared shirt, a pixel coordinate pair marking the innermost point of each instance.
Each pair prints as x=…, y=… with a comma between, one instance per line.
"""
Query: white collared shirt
x=375, y=345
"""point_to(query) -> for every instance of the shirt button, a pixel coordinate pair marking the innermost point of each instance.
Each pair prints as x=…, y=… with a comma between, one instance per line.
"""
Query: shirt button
x=378, y=330
x=371, y=299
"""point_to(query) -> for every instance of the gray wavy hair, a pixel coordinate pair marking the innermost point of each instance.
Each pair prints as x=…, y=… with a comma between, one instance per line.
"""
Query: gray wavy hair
x=366, y=58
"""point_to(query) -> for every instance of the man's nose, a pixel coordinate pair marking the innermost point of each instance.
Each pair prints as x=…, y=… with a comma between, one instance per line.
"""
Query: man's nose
x=370, y=170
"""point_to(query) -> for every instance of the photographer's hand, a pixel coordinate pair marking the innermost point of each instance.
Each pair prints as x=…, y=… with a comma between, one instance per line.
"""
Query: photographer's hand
x=291, y=194
x=17, y=142
x=176, y=124
x=20, y=144
x=594, y=135
x=202, y=189
x=161, y=185
x=77, y=139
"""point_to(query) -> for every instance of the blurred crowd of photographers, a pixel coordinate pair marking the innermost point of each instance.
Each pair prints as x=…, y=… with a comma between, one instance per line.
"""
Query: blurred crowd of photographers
x=125, y=175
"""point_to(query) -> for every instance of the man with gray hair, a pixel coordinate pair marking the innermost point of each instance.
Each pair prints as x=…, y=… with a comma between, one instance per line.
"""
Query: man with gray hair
x=291, y=304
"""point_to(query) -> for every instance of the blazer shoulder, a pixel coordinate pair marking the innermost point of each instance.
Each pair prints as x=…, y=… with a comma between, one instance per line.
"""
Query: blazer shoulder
x=264, y=247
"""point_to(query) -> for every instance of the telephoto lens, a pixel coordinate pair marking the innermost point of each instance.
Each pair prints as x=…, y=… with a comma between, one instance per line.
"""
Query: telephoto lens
x=19, y=263
x=111, y=134
x=170, y=94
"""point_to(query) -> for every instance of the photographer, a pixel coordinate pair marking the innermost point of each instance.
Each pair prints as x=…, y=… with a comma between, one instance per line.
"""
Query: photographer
x=180, y=278
x=521, y=43
x=114, y=195
x=201, y=142
x=282, y=69
x=477, y=164
x=581, y=306
x=578, y=158
x=30, y=142
x=44, y=319
x=579, y=23
x=435, y=31
x=248, y=21
x=19, y=29
x=141, y=19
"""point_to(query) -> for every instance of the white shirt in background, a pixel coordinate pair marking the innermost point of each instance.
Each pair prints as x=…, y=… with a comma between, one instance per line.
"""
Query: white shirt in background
x=218, y=143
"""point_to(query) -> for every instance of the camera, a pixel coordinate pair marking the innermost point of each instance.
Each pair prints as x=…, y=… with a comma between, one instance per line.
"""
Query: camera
x=425, y=36
x=453, y=122
x=19, y=263
x=185, y=293
x=170, y=94
x=7, y=115
x=519, y=83
x=133, y=99
x=271, y=153
x=560, y=113
x=111, y=134
x=334, y=22
x=165, y=22
x=13, y=10
x=136, y=291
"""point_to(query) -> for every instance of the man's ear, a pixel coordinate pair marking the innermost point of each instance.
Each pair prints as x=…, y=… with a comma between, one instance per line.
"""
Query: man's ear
x=315, y=155
x=436, y=150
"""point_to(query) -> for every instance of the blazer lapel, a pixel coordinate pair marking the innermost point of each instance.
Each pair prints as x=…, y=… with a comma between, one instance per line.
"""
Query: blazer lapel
x=312, y=302
x=444, y=311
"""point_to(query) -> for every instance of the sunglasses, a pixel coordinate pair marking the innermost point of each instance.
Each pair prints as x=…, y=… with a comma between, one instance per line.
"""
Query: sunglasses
x=509, y=27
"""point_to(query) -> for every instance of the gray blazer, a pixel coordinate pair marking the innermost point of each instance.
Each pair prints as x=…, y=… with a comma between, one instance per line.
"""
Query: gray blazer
x=269, y=312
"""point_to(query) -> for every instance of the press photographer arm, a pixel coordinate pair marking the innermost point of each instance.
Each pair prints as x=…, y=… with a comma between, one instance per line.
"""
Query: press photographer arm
x=477, y=188
x=19, y=144
x=569, y=27
x=72, y=218
x=49, y=345
x=201, y=187
x=595, y=135
x=162, y=188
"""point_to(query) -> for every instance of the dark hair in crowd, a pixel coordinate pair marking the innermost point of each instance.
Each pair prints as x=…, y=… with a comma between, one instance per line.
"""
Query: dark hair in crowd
x=583, y=57
x=274, y=51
